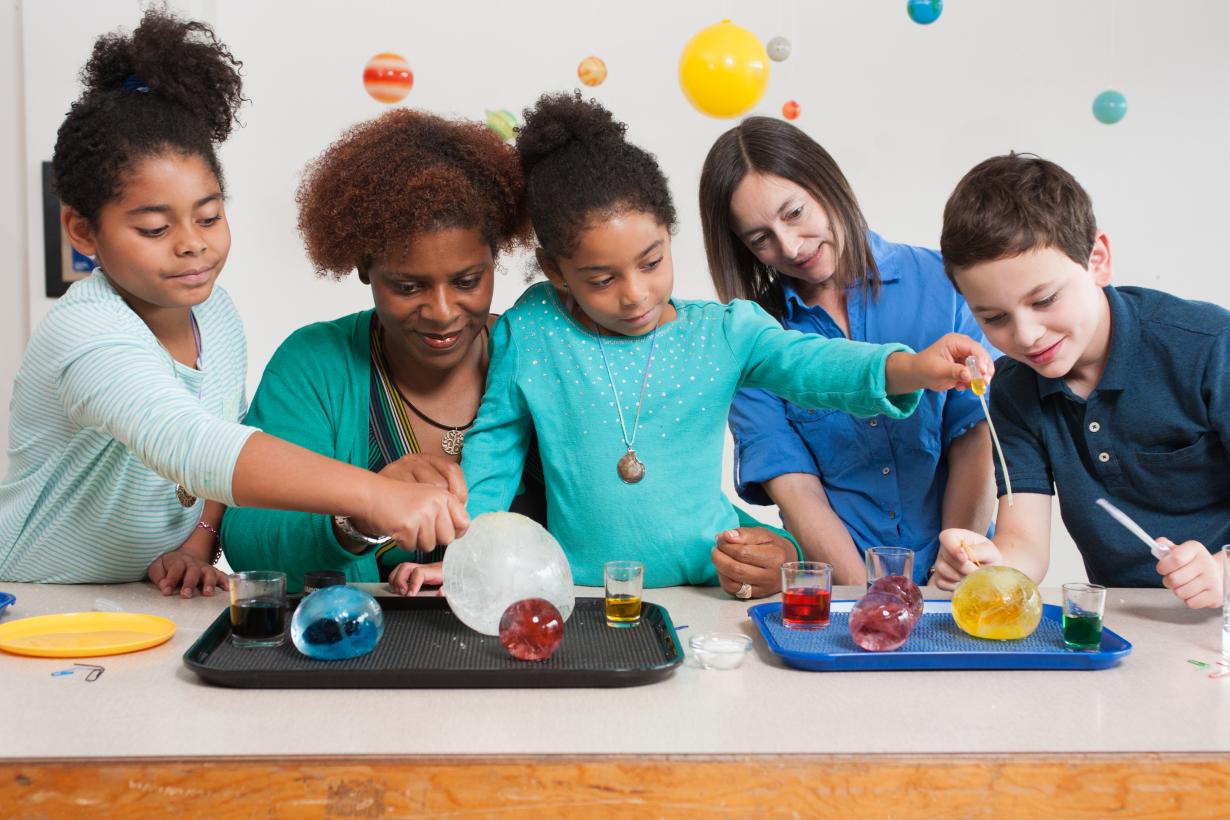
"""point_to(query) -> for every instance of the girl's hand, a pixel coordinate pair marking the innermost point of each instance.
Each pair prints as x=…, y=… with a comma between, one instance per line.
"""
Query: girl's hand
x=753, y=556
x=183, y=570
x=939, y=367
x=959, y=549
x=414, y=514
x=1192, y=574
x=408, y=578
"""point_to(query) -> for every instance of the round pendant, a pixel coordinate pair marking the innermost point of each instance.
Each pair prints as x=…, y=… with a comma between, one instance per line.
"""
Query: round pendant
x=184, y=497
x=631, y=470
x=452, y=441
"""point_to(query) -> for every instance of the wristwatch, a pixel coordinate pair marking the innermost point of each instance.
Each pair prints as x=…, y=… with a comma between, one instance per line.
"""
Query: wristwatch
x=347, y=528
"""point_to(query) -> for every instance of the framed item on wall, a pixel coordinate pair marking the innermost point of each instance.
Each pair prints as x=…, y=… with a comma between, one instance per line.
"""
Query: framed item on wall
x=62, y=264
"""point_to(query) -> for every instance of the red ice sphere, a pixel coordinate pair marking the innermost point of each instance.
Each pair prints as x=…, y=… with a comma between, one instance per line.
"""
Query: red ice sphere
x=904, y=589
x=880, y=622
x=531, y=630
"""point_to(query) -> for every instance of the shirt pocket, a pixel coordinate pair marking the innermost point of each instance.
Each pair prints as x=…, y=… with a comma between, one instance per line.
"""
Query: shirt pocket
x=836, y=440
x=1189, y=478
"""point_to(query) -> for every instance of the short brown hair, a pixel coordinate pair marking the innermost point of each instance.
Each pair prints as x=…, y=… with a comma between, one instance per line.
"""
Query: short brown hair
x=402, y=174
x=1009, y=205
x=766, y=145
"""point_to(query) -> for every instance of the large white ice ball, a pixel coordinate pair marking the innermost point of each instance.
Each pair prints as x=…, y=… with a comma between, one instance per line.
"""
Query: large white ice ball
x=504, y=558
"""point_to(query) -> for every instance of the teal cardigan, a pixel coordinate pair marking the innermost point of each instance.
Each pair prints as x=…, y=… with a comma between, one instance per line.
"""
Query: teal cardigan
x=315, y=392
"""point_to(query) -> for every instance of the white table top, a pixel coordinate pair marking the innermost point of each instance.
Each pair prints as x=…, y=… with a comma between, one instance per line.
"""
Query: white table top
x=148, y=704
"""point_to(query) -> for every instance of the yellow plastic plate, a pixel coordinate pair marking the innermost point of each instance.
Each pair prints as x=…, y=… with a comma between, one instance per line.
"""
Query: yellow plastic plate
x=84, y=634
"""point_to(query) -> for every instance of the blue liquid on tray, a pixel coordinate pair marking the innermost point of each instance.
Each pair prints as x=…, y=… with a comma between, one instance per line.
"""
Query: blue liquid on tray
x=336, y=623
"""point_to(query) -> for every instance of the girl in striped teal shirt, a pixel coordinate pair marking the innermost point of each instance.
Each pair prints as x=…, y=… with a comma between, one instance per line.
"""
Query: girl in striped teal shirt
x=125, y=441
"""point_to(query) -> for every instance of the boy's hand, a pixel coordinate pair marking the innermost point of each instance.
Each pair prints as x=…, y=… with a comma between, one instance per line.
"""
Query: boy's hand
x=752, y=556
x=957, y=547
x=182, y=570
x=408, y=578
x=1192, y=574
x=939, y=367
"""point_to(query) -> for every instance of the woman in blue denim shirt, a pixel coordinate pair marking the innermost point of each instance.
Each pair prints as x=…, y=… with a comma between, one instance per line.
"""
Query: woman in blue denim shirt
x=782, y=227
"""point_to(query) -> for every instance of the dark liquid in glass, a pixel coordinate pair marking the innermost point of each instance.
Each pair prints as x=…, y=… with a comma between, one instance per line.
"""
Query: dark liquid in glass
x=258, y=620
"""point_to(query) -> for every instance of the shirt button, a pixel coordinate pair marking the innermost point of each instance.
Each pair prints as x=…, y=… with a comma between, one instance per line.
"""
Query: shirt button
x=892, y=515
x=874, y=422
x=1094, y=427
x=886, y=471
x=1103, y=457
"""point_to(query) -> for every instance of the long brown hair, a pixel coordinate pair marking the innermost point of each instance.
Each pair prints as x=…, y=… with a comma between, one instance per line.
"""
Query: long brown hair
x=764, y=145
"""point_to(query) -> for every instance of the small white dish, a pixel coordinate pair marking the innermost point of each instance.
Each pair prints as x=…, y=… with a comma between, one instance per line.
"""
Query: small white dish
x=720, y=650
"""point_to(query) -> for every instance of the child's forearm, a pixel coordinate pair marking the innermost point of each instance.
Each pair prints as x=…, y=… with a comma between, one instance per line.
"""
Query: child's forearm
x=202, y=541
x=274, y=473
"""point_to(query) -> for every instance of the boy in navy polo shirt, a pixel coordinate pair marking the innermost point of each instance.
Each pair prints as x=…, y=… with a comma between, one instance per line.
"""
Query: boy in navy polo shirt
x=1122, y=393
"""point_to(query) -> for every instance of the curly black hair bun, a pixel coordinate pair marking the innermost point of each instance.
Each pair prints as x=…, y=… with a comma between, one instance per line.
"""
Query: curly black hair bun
x=557, y=120
x=170, y=84
x=579, y=165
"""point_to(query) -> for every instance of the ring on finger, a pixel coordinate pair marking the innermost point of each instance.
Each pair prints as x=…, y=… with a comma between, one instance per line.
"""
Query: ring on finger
x=744, y=592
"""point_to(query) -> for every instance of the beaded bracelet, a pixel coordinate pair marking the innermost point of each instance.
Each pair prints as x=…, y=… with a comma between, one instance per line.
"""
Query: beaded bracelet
x=217, y=553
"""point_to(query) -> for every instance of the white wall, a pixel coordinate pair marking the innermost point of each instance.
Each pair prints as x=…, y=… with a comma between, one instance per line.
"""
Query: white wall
x=905, y=109
x=14, y=299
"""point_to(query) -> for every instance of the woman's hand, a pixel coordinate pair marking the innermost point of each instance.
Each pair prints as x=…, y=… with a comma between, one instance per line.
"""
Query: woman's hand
x=424, y=468
x=753, y=556
x=416, y=515
x=939, y=367
x=180, y=569
x=408, y=578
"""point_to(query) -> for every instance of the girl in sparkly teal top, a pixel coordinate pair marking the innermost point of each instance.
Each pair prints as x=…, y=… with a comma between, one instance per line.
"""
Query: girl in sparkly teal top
x=627, y=388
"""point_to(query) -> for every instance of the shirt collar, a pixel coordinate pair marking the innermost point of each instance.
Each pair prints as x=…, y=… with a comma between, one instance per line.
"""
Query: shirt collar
x=881, y=251
x=1124, y=347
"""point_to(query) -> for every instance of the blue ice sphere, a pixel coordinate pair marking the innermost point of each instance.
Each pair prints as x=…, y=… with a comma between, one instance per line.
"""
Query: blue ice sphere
x=336, y=623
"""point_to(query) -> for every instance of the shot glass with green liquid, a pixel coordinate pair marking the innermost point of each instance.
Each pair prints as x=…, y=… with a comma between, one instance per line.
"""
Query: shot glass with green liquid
x=1083, y=607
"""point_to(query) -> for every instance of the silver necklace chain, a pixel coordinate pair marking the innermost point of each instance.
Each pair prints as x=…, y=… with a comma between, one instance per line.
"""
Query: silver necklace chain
x=653, y=340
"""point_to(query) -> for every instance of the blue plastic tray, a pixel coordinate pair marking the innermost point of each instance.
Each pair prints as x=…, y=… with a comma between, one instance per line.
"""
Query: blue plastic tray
x=5, y=600
x=936, y=643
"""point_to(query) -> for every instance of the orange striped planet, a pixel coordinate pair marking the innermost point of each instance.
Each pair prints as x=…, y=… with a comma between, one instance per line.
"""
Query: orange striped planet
x=387, y=77
x=591, y=71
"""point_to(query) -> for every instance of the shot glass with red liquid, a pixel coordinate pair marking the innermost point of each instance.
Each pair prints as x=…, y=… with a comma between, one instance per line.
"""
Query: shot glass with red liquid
x=807, y=587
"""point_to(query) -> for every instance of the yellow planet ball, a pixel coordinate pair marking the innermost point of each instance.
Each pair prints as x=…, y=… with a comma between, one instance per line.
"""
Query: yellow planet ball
x=999, y=603
x=724, y=70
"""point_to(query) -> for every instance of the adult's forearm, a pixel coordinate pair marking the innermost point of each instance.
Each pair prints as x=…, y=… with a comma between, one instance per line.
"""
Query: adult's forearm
x=969, y=498
x=821, y=533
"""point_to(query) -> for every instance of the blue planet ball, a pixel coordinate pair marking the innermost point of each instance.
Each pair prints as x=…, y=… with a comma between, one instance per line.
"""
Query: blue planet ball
x=924, y=12
x=336, y=623
x=1110, y=107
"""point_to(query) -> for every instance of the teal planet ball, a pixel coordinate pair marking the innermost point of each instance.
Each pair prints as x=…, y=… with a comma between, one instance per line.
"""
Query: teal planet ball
x=1109, y=107
x=924, y=12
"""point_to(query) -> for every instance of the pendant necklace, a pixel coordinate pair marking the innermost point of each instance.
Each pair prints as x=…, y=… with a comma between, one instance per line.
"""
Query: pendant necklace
x=454, y=438
x=185, y=498
x=631, y=469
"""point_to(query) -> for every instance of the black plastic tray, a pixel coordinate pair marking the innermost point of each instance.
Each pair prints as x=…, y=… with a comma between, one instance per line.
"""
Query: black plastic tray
x=425, y=646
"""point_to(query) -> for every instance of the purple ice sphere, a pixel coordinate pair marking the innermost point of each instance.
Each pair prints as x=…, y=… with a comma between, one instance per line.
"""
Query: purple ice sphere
x=531, y=630
x=903, y=588
x=880, y=622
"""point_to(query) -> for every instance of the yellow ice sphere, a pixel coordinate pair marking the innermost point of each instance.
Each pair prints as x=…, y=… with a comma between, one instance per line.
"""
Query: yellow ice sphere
x=999, y=603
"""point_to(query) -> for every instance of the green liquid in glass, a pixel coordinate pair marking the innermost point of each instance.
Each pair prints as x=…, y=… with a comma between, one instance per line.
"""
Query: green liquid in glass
x=1082, y=631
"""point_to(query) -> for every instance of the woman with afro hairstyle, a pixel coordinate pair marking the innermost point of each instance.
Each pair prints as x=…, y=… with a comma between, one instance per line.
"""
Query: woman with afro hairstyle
x=627, y=388
x=420, y=207
x=782, y=227
x=125, y=439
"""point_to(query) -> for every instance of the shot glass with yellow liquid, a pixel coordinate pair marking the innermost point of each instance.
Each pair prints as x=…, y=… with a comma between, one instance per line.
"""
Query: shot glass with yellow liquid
x=624, y=582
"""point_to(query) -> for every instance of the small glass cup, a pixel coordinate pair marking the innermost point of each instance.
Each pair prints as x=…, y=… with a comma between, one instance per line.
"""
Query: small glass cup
x=807, y=589
x=1225, y=603
x=624, y=582
x=1083, y=607
x=882, y=561
x=258, y=608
